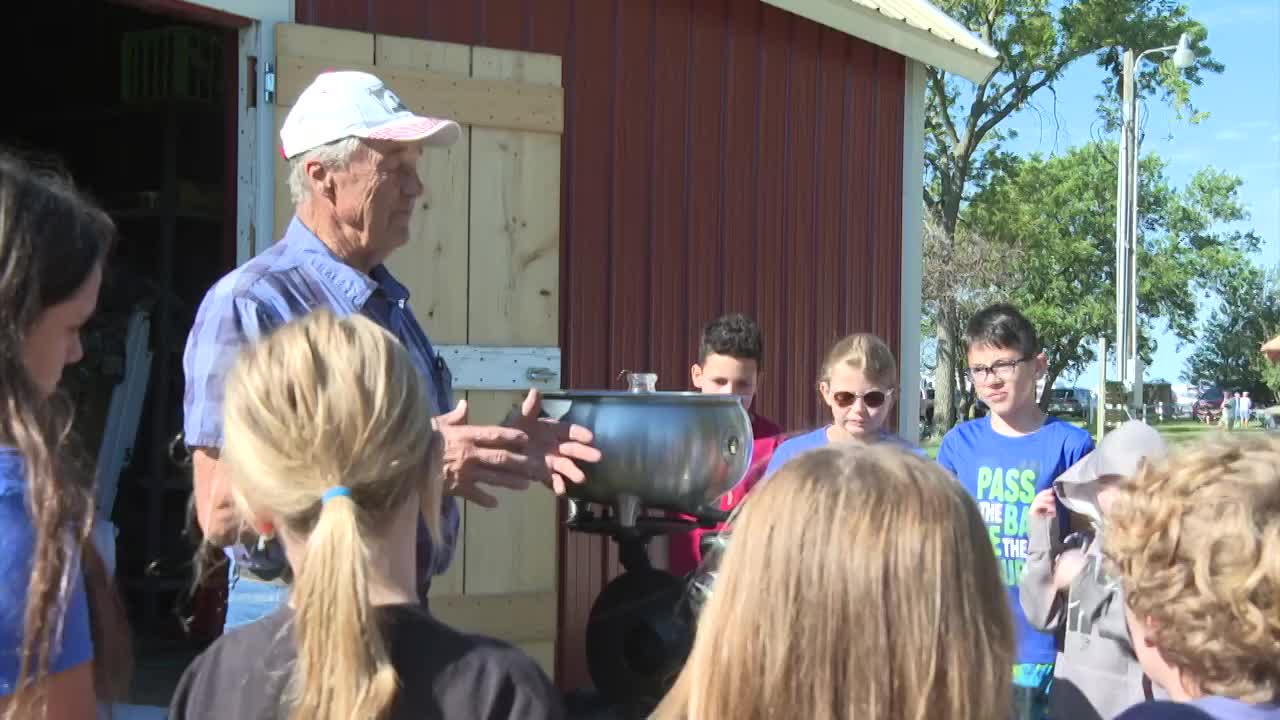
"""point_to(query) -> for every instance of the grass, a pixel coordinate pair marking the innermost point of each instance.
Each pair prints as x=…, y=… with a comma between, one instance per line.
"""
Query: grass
x=1175, y=432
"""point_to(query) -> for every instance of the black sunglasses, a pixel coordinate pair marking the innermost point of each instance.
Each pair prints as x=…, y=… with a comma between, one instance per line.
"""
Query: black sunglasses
x=873, y=399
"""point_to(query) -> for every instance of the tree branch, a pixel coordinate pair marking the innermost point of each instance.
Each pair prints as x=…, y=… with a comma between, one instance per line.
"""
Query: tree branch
x=944, y=104
x=1014, y=103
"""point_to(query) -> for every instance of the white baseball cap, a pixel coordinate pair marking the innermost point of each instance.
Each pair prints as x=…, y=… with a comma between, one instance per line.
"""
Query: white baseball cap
x=346, y=103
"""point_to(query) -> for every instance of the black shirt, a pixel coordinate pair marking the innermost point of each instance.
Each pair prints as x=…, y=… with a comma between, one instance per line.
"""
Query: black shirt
x=443, y=673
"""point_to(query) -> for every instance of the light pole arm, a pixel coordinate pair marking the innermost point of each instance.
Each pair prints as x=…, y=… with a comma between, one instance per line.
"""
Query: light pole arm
x=1145, y=53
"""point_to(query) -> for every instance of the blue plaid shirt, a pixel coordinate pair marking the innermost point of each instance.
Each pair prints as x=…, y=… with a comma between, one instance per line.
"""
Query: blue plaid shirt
x=293, y=277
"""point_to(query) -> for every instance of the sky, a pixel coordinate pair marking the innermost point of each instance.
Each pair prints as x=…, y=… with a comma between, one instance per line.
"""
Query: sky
x=1241, y=135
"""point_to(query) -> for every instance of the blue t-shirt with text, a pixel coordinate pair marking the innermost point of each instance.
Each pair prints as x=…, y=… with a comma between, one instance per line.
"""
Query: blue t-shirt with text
x=18, y=538
x=1004, y=474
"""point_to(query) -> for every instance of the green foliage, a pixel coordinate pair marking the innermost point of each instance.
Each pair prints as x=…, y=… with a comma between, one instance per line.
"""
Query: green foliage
x=1059, y=214
x=1227, y=351
x=1037, y=40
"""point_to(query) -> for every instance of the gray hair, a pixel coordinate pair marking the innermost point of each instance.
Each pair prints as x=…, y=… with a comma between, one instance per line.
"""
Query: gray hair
x=335, y=156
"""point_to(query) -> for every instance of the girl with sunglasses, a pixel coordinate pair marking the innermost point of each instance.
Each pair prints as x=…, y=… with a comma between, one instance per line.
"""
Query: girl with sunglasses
x=859, y=383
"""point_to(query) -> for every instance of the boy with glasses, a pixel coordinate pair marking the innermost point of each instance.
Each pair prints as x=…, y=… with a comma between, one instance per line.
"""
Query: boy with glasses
x=1004, y=460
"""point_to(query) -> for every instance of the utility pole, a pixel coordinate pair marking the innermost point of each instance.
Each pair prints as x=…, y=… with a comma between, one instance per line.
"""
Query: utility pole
x=1128, y=363
x=1125, y=272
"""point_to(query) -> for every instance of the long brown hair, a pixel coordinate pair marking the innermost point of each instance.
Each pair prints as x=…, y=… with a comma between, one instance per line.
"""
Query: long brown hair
x=51, y=241
x=858, y=583
x=324, y=403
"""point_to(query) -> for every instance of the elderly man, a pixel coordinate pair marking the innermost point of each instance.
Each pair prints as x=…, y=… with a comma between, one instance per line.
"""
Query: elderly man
x=353, y=149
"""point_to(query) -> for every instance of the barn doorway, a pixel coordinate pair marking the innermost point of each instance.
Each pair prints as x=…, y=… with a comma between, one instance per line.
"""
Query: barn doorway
x=139, y=107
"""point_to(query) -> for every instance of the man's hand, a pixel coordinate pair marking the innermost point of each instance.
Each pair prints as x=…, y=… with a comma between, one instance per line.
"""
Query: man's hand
x=530, y=449
x=556, y=443
x=216, y=510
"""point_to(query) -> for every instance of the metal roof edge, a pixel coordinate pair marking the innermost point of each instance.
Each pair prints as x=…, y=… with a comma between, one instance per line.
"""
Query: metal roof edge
x=899, y=36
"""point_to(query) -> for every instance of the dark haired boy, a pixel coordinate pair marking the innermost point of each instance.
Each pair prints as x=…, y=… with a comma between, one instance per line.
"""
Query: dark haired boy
x=1004, y=460
x=730, y=355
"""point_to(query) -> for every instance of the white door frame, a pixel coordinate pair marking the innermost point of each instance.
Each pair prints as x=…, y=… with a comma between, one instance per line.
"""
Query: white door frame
x=912, y=249
x=256, y=143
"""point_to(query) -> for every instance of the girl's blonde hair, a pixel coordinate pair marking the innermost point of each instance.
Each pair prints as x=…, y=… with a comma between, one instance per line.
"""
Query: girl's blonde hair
x=859, y=583
x=324, y=402
x=864, y=352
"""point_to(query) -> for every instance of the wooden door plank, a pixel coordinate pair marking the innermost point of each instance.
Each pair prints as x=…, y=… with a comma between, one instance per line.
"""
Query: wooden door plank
x=513, y=617
x=491, y=103
x=434, y=263
x=283, y=202
x=515, y=218
x=543, y=653
x=514, y=300
x=405, y=53
x=511, y=548
x=326, y=44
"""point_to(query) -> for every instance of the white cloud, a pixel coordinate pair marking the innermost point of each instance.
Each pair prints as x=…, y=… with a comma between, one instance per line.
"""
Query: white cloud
x=1229, y=135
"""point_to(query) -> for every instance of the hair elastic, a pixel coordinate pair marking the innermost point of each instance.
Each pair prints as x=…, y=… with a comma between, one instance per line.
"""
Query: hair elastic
x=333, y=492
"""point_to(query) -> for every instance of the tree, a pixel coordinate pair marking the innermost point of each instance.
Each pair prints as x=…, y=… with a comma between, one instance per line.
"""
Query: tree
x=1037, y=40
x=1059, y=211
x=960, y=278
x=1227, y=353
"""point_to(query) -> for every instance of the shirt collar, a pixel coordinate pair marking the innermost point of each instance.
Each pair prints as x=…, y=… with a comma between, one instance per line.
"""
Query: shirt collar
x=352, y=283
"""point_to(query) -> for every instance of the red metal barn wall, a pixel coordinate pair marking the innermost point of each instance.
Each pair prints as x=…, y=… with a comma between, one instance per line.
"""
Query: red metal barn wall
x=719, y=155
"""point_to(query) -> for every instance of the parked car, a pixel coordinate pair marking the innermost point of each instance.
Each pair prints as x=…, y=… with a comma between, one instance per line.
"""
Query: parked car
x=1064, y=402
x=1208, y=407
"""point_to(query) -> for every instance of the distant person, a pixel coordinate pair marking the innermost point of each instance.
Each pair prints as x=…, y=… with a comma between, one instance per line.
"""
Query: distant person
x=64, y=637
x=1196, y=540
x=858, y=585
x=330, y=446
x=730, y=362
x=859, y=385
x=1007, y=458
x=1246, y=410
x=1065, y=587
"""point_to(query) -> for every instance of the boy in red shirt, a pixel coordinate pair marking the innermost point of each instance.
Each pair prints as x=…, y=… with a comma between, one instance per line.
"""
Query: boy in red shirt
x=729, y=362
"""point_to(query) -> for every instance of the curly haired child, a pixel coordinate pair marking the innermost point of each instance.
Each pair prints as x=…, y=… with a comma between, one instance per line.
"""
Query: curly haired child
x=1196, y=542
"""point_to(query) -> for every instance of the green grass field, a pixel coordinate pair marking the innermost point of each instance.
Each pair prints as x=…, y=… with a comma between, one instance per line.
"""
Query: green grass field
x=1176, y=433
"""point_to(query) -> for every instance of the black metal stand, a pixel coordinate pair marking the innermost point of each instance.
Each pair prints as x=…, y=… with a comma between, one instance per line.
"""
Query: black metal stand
x=637, y=638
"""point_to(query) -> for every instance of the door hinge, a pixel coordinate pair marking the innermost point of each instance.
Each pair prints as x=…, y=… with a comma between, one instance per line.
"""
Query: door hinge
x=269, y=84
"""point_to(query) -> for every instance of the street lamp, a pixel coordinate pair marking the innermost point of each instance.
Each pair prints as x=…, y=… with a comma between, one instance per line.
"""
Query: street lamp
x=1128, y=365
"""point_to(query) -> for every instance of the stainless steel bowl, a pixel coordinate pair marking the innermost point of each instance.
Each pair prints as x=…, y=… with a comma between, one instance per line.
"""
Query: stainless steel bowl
x=675, y=451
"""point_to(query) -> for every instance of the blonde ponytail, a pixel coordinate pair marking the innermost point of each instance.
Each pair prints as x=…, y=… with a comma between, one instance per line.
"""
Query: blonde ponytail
x=328, y=430
x=343, y=670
